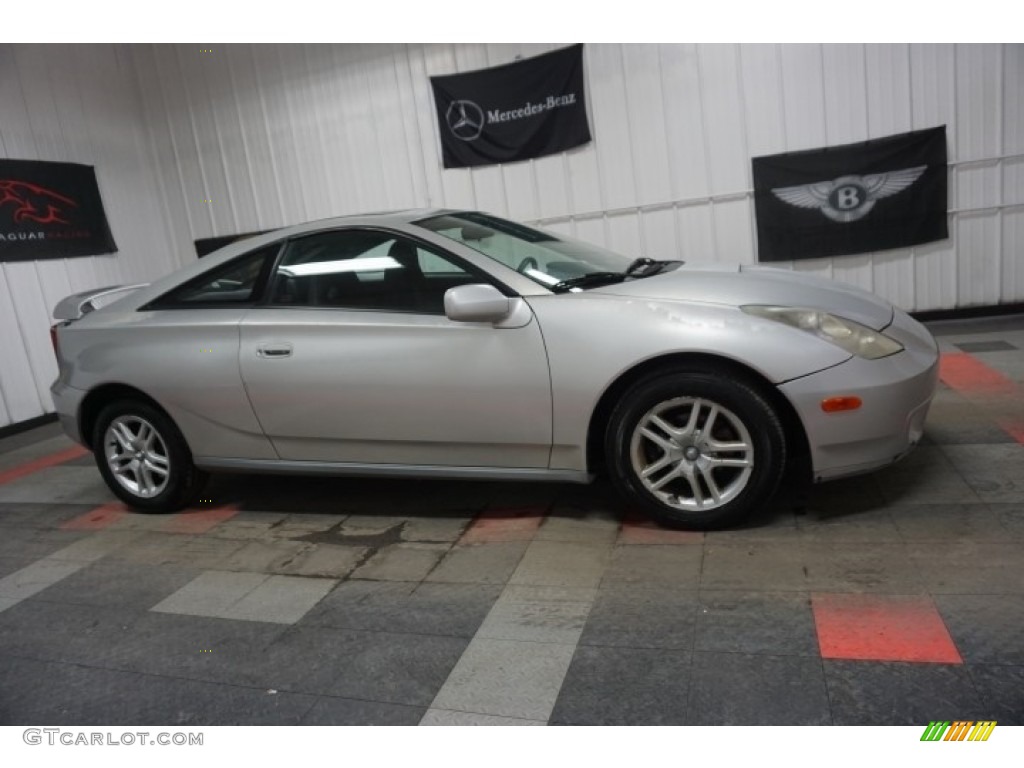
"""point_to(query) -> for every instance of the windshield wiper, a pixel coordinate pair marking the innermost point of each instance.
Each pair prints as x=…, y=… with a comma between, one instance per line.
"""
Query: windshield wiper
x=642, y=267
x=645, y=267
x=589, y=280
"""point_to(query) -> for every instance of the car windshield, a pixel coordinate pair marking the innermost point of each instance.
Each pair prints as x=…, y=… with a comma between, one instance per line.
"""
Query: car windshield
x=551, y=260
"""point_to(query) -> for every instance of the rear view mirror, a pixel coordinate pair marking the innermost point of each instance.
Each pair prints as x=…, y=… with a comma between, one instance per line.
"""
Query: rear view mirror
x=476, y=303
x=472, y=233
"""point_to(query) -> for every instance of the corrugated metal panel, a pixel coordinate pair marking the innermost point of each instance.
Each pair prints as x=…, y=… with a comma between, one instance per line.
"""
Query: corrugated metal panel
x=696, y=233
x=763, y=115
x=845, y=87
x=1012, y=282
x=624, y=234
x=17, y=388
x=644, y=107
x=593, y=230
x=33, y=321
x=979, y=138
x=978, y=277
x=888, y=110
x=722, y=112
x=933, y=102
x=978, y=101
x=1013, y=99
x=687, y=154
x=803, y=96
x=658, y=232
x=892, y=273
x=888, y=103
x=76, y=104
x=608, y=89
x=1013, y=181
x=733, y=236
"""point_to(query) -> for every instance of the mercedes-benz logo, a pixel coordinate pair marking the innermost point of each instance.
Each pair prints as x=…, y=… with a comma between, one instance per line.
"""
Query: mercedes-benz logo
x=465, y=119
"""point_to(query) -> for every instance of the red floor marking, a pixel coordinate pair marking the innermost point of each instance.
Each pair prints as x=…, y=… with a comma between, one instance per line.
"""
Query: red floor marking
x=970, y=376
x=35, y=465
x=638, y=529
x=492, y=525
x=882, y=628
x=198, y=519
x=987, y=386
x=1013, y=427
x=97, y=519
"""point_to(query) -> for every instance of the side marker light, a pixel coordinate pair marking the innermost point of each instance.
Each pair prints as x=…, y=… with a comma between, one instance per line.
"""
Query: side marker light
x=841, y=403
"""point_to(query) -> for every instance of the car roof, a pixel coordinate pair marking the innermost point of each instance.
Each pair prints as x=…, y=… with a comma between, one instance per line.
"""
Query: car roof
x=379, y=218
x=385, y=218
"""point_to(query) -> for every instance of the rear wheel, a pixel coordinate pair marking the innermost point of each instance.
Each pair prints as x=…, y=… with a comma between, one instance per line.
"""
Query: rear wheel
x=143, y=457
x=695, y=449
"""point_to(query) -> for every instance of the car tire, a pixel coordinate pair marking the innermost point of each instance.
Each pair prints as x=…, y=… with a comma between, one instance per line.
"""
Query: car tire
x=143, y=457
x=665, y=461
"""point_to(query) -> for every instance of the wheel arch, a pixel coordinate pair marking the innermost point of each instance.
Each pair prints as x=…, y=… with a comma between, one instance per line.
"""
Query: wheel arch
x=101, y=396
x=795, y=435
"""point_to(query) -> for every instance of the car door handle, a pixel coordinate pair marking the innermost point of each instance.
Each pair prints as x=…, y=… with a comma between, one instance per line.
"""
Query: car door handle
x=274, y=350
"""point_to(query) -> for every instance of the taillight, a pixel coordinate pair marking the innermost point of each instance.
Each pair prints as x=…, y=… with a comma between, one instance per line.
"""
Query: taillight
x=53, y=339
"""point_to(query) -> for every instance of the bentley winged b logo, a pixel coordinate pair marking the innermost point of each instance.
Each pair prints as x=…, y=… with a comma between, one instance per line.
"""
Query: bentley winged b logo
x=849, y=198
x=465, y=119
x=33, y=203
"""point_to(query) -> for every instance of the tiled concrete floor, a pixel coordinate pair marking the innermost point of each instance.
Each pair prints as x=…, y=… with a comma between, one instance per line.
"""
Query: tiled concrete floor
x=894, y=598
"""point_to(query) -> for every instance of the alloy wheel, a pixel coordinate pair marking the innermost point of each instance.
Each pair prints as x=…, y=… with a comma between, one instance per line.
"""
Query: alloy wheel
x=137, y=456
x=692, y=453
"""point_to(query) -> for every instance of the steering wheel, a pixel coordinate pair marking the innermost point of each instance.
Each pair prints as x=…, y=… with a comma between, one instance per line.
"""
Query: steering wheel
x=528, y=263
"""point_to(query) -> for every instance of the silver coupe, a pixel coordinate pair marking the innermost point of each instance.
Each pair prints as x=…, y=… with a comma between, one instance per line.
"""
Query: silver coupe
x=438, y=343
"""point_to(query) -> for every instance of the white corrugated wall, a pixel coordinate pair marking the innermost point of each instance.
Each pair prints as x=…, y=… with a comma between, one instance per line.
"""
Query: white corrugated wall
x=280, y=134
x=75, y=104
x=252, y=137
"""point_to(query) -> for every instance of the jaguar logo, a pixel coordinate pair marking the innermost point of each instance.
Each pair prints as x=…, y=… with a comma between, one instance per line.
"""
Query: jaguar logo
x=32, y=202
x=465, y=119
x=849, y=198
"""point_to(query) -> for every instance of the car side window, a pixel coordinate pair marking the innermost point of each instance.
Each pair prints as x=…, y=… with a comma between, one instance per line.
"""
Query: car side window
x=365, y=269
x=239, y=281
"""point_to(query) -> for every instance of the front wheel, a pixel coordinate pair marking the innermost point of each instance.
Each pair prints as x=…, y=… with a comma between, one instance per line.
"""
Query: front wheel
x=144, y=459
x=695, y=450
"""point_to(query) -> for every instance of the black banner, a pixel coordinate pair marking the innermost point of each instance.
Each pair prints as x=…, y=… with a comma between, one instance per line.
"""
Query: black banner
x=517, y=111
x=50, y=211
x=871, y=196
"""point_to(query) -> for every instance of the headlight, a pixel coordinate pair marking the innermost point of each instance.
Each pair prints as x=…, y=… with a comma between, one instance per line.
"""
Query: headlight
x=855, y=338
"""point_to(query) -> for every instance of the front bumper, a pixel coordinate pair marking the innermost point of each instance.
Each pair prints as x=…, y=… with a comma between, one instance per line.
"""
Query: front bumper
x=896, y=392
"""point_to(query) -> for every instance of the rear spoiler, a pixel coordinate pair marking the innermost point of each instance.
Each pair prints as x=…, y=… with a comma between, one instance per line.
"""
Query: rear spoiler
x=75, y=306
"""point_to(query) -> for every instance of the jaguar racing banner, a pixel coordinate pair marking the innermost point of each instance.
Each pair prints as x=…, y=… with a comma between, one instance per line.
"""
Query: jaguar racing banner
x=870, y=196
x=525, y=109
x=50, y=211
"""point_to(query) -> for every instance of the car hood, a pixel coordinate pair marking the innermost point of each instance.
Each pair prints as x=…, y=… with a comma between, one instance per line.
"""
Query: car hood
x=737, y=285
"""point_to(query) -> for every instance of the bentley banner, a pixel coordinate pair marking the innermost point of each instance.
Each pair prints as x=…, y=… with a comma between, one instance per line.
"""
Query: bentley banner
x=50, y=211
x=525, y=109
x=871, y=196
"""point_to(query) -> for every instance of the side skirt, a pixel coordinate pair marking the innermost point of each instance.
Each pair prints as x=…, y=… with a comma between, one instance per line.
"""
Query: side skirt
x=282, y=467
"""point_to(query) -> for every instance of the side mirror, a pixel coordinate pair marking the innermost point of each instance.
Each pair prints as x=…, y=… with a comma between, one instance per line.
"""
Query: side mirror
x=476, y=303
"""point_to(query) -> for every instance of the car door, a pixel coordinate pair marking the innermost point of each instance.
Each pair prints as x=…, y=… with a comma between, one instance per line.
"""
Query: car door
x=353, y=360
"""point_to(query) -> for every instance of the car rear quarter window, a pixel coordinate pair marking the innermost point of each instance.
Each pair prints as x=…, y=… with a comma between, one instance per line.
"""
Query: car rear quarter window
x=238, y=282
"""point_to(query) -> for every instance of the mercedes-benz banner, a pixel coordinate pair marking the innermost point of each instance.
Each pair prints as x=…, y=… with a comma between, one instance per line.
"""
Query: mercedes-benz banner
x=529, y=108
x=871, y=196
